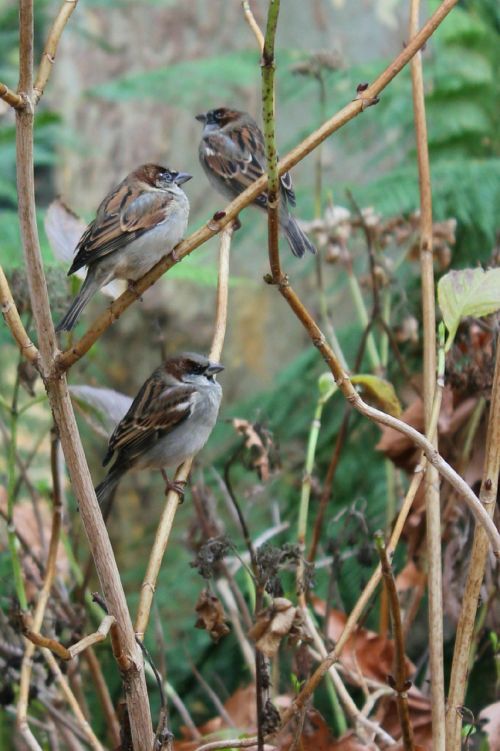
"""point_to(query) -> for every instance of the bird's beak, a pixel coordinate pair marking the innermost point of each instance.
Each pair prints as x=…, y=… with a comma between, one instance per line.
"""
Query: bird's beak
x=201, y=118
x=214, y=367
x=182, y=177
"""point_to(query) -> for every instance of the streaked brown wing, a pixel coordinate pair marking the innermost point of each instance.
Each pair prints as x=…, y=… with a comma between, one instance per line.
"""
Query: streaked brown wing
x=122, y=217
x=243, y=162
x=156, y=408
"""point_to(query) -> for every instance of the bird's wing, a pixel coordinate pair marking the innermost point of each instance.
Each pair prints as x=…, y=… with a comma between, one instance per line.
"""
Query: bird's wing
x=237, y=156
x=122, y=217
x=157, y=409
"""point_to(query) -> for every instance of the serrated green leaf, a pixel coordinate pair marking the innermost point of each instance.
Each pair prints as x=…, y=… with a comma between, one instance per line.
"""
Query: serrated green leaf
x=470, y=292
x=381, y=391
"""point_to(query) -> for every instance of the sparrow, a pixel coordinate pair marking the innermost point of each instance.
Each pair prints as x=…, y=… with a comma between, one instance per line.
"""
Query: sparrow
x=233, y=156
x=170, y=419
x=141, y=220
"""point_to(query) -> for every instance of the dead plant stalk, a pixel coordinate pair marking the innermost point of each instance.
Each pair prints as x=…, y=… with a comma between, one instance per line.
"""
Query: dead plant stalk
x=399, y=679
x=432, y=494
x=478, y=558
x=172, y=501
x=62, y=410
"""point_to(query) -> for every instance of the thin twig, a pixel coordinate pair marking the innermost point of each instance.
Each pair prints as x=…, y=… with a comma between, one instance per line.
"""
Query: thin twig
x=68, y=653
x=376, y=415
x=328, y=483
x=432, y=495
x=373, y=582
x=232, y=743
x=172, y=501
x=250, y=19
x=43, y=598
x=50, y=49
x=102, y=691
x=269, y=122
x=347, y=113
x=400, y=683
x=478, y=558
x=360, y=721
x=98, y=539
x=234, y=614
x=9, y=96
x=90, y=736
x=13, y=321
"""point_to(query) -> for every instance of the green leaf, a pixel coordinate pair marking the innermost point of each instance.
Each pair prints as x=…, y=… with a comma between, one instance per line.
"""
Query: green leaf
x=470, y=292
x=381, y=391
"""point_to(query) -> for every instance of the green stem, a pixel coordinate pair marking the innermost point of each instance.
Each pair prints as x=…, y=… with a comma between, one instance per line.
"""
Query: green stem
x=306, y=481
x=4, y=403
x=338, y=712
x=360, y=306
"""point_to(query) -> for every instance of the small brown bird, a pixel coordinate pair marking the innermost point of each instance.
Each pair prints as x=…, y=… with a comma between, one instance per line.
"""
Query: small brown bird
x=170, y=419
x=232, y=154
x=139, y=222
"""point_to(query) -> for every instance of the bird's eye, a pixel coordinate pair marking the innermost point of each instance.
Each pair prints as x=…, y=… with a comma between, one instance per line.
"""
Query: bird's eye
x=218, y=114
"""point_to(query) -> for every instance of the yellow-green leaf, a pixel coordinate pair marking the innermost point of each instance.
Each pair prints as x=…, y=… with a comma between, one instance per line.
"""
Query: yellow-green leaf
x=381, y=391
x=470, y=292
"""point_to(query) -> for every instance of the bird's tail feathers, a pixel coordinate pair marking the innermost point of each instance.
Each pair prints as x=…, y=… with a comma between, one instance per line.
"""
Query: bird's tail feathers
x=297, y=238
x=106, y=489
x=71, y=317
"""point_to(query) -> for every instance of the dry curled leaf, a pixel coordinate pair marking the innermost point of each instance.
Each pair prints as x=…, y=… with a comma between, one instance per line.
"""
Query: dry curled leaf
x=211, y=616
x=365, y=652
x=280, y=619
x=259, y=443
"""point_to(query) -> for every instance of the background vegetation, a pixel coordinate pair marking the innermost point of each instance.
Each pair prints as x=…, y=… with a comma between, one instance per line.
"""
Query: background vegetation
x=128, y=80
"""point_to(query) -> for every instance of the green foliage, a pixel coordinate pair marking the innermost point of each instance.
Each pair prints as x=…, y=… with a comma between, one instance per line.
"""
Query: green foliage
x=207, y=76
x=471, y=292
x=467, y=189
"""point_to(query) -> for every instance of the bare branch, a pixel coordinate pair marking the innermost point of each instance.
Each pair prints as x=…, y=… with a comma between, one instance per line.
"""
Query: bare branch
x=11, y=97
x=478, y=558
x=95, y=529
x=347, y=113
x=254, y=26
x=90, y=736
x=432, y=494
x=400, y=683
x=13, y=321
x=269, y=121
x=25, y=49
x=102, y=691
x=182, y=474
x=363, y=725
x=50, y=49
x=43, y=598
x=68, y=653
